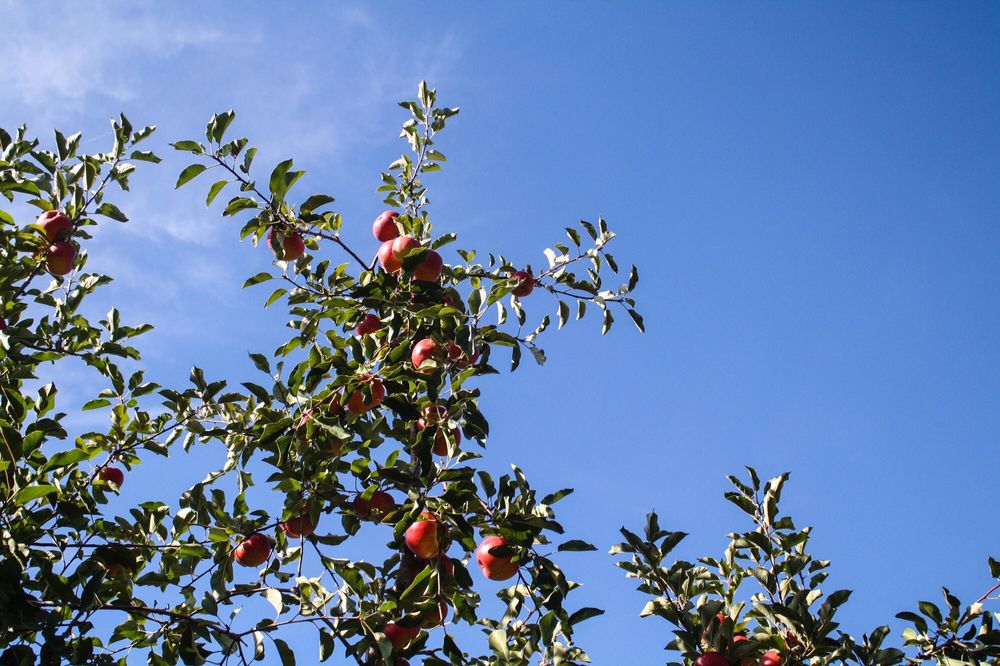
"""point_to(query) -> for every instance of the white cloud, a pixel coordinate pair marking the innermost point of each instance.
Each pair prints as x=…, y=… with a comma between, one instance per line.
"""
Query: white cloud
x=57, y=52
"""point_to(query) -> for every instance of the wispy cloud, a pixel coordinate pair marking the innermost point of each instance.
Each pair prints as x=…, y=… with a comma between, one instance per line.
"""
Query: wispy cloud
x=58, y=53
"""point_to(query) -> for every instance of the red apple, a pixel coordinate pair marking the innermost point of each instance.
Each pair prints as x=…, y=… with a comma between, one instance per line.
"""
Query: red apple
x=711, y=658
x=429, y=270
x=423, y=351
x=494, y=567
x=446, y=567
x=402, y=246
x=525, y=283
x=55, y=224
x=369, y=324
x=458, y=356
x=436, y=616
x=254, y=551
x=770, y=658
x=745, y=661
x=390, y=264
x=422, y=537
x=376, y=506
x=384, y=227
x=292, y=244
x=356, y=403
x=437, y=415
x=59, y=260
x=3, y=325
x=399, y=635
x=112, y=474
x=300, y=526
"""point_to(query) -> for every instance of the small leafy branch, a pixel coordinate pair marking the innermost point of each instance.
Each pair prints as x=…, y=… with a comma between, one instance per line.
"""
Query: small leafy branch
x=786, y=617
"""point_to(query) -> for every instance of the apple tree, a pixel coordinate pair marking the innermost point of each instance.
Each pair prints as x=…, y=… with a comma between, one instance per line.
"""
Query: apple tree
x=762, y=602
x=367, y=418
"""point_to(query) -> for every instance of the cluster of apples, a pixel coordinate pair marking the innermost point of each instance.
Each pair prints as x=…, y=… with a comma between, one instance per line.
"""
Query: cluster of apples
x=426, y=539
x=256, y=548
x=395, y=247
x=715, y=658
x=61, y=254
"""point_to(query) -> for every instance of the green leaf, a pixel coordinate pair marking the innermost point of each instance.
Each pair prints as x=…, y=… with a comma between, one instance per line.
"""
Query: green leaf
x=326, y=645
x=214, y=191
x=30, y=493
x=273, y=597
x=285, y=652
x=144, y=156
x=189, y=146
x=97, y=403
x=314, y=202
x=498, y=642
x=576, y=545
x=218, y=125
x=637, y=319
x=275, y=295
x=257, y=279
x=563, y=313
x=584, y=614
x=189, y=173
x=277, y=182
x=110, y=210
x=236, y=204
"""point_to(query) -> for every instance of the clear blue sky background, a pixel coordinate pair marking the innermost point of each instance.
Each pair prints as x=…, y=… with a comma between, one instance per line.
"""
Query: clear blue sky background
x=810, y=191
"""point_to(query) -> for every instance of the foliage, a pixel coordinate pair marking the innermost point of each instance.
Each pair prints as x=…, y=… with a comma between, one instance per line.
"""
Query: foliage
x=788, y=612
x=83, y=586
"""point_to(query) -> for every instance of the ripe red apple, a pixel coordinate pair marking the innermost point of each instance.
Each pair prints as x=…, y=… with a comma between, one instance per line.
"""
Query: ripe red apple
x=711, y=658
x=112, y=474
x=745, y=661
x=399, y=635
x=422, y=537
x=436, y=616
x=300, y=526
x=254, y=551
x=369, y=324
x=292, y=244
x=3, y=325
x=388, y=260
x=59, y=260
x=437, y=415
x=770, y=658
x=379, y=504
x=356, y=403
x=494, y=567
x=425, y=350
x=402, y=246
x=525, y=283
x=429, y=270
x=458, y=356
x=55, y=224
x=384, y=227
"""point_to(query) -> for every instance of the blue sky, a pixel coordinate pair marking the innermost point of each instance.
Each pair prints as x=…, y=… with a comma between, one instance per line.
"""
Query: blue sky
x=809, y=191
